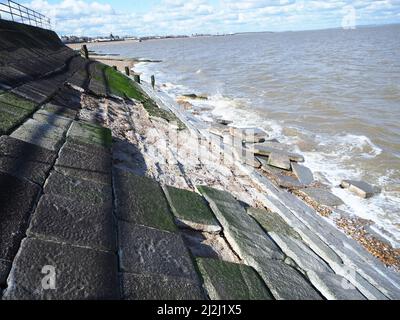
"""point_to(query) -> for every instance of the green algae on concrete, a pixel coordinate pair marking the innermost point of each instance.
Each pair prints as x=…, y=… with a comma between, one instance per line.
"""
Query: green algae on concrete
x=272, y=222
x=90, y=133
x=230, y=281
x=14, y=100
x=191, y=210
x=60, y=110
x=140, y=200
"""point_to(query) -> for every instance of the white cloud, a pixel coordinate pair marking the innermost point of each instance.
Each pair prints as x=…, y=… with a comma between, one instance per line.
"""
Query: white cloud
x=210, y=16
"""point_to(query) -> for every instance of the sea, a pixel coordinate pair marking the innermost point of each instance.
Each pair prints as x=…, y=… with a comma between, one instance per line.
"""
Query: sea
x=333, y=94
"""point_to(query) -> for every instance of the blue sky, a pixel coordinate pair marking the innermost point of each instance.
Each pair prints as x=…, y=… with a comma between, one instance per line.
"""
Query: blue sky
x=139, y=17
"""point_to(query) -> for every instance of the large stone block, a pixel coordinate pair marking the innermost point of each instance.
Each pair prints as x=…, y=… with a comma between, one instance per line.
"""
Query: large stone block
x=85, y=163
x=25, y=160
x=145, y=250
x=230, y=281
x=266, y=150
x=279, y=160
x=17, y=200
x=249, y=135
x=140, y=200
x=41, y=134
x=79, y=273
x=191, y=210
x=159, y=287
x=73, y=222
x=90, y=133
x=88, y=192
x=360, y=188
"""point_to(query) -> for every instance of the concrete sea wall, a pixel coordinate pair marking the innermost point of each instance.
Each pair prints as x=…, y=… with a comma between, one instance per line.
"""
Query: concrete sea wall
x=97, y=203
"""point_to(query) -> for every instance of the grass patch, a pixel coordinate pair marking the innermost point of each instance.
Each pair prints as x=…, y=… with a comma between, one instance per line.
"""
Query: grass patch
x=124, y=87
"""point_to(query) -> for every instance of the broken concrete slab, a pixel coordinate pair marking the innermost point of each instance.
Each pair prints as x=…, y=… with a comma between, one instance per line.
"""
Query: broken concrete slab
x=146, y=250
x=5, y=267
x=90, y=133
x=91, y=164
x=41, y=134
x=249, y=135
x=279, y=160
x=159, y=287
x=230, y=281
x=18, y=198
x=53, y=119
x=88, y=192
x=224, y=122
x=25, y=160
x=243, y=233
x=304, y=174
x=265, y=150
x=80, y=273
x=140, y=200
x=322, y=197
x=191, y=210
x=360, y=188
x=63, y=220
x=272, y=222
x=218, y=129
x=246, y=157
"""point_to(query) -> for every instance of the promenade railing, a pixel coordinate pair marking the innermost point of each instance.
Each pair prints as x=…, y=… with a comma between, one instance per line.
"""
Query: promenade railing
x=11, y=10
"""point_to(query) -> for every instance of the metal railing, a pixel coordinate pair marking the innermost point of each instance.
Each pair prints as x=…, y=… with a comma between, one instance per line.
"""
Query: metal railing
x=13, y=11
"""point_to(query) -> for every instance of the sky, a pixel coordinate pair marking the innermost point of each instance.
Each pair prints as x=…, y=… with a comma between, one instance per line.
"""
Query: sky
x=164, y=17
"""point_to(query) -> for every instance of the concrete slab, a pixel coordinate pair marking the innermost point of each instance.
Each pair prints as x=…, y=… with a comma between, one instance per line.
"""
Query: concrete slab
x=88, y=192
x=304, y=174
x=18, y=198
x=272, y=222
x=60, y=110
x=53, y=119
x=279, y=160
x=41, y=134
x=90, y=133
x=156, y=287
x=191, y=210
x=322, y=197
x=15, y=100
x=76, y=223
x=145, y=250
x=243, y=233
x=285, y=282
x=80, y=273
x=360, y=188
x=90, y=164
x=265, y=150
x=249, y=135
x=140, y=200
x=230, y=281
x=25, y=160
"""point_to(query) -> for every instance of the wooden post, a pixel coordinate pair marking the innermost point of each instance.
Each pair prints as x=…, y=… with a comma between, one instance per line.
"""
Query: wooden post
x=153, y=81
x=127, y=71
x=84, y=51
x=136, y=77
